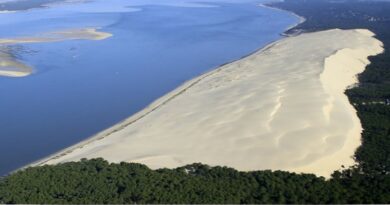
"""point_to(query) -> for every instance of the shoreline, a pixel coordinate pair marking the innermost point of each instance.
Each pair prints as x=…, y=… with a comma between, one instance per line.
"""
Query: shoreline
x=159, y=103
x=285, y=33
x=330, y=131
x=140, y=114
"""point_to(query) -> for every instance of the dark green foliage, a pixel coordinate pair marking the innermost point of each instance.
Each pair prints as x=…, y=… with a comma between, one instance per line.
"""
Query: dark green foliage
x=97, y=181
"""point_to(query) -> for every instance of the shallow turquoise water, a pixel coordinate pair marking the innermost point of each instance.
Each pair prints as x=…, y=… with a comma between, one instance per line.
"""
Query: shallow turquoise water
x=81, y=87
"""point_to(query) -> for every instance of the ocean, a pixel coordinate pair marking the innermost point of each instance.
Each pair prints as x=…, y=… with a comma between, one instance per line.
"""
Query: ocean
x=81, y=87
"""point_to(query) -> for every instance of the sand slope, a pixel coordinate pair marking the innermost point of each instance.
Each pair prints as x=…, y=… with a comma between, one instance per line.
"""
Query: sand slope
x=281, y=108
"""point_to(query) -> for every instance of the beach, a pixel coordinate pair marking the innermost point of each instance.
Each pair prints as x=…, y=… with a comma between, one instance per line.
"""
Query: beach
x=12, y=67
x=281, y=108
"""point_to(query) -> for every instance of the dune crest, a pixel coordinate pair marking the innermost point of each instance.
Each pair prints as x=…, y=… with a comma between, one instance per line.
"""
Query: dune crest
x=280, y=108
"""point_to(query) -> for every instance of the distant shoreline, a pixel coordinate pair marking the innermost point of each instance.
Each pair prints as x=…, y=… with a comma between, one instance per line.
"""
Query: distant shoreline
x=285, y=33
x=15, y=6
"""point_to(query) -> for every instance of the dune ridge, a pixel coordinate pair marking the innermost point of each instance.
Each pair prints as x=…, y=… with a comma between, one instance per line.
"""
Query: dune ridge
x=282, y=108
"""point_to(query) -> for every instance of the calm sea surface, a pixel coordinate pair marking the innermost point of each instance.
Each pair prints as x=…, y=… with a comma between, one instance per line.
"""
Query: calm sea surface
x=81, y=87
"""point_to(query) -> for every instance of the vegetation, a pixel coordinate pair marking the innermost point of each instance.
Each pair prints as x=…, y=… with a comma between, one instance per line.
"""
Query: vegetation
x=97, y=181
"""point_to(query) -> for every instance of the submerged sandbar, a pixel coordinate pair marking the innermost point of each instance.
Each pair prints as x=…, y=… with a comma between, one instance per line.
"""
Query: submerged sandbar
x=281, y=108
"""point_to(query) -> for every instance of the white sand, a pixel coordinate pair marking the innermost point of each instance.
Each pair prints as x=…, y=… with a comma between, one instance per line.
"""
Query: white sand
x=281, y=108
x=11, y=67
x=71, y=34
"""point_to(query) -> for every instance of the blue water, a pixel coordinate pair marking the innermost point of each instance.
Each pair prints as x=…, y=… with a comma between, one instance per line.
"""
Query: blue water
x=81, y=87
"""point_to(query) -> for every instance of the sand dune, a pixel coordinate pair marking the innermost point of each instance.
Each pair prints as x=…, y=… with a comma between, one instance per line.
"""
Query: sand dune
x=281, y=108
x=11, y=67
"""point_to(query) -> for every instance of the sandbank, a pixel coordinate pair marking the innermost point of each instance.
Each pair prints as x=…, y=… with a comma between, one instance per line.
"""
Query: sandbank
x=281, y=108
x=11, y=67
x=71, y=34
